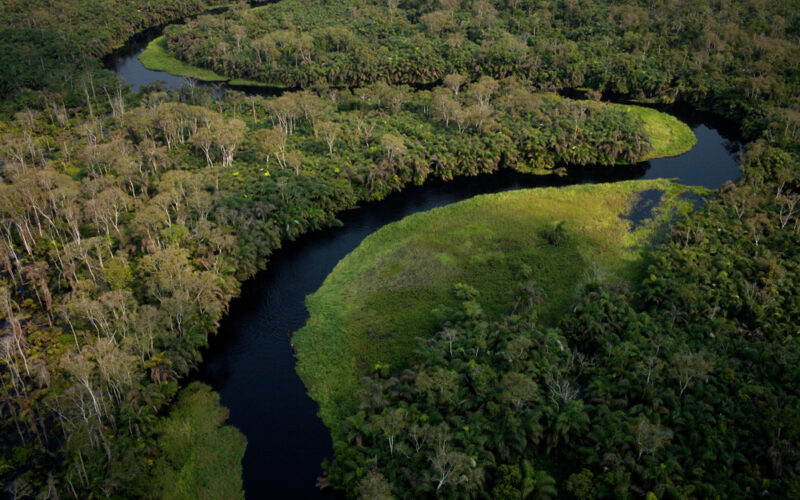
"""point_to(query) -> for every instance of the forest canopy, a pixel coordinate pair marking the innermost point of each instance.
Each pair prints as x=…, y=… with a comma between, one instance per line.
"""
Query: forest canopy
x=128, y=226
x=725, y=51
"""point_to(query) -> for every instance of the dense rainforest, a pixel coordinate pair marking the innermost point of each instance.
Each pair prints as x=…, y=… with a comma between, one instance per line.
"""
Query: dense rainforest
x=730, y=53
x=128, y=221
x=47, y=45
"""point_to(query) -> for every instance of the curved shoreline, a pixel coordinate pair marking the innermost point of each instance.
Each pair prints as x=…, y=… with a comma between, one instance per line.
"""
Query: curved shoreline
x=250, y=361
x=668, y=135
x=253, y=343
x=384, y=288
x=156, y=58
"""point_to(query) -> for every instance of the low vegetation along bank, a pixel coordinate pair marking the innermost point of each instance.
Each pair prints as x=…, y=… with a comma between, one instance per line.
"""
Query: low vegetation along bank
x=156, y=58
x=668, y=135
x=384, y=295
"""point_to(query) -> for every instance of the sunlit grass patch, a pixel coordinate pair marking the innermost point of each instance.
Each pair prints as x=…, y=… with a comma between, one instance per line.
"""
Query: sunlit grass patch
x=156, y=58
x=668, y=135
x=382, y=296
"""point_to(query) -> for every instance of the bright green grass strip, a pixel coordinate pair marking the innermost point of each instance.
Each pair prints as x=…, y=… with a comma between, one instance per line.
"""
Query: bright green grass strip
x=668, y=135
x=156, y=58
x=242, y=82
x=380, y=297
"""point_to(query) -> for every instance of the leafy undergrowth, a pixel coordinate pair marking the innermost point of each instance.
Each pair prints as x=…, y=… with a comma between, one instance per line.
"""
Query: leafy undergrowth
x=380, y=298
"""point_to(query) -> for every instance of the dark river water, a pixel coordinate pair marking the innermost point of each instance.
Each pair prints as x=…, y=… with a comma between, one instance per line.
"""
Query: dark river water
x=250, y=362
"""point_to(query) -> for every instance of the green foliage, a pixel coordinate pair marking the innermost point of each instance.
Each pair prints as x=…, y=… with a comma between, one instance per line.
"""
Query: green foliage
x=48, y=44
x=128, y=222
x=556, y=233
x=607, y=411
x=200, y=457
x=156, y=58
x=703, y=52
x=581, y=485
x=380, y=298
x=507, y=484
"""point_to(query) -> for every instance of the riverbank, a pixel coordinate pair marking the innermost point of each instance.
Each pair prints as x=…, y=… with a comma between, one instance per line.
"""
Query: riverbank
x=668, y=135
x=381, y=297
x=156, y=58
x=284, y=418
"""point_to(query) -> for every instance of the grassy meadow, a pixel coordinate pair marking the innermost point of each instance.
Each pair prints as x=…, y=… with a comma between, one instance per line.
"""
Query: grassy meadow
x=668, y=135
x=381, y=296
x=156, y=58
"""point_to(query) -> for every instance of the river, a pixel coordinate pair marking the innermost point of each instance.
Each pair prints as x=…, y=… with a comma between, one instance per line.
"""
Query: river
x=250, y=362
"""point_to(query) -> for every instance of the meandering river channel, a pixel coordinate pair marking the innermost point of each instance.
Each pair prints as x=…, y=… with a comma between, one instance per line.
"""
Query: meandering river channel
x=250, y=362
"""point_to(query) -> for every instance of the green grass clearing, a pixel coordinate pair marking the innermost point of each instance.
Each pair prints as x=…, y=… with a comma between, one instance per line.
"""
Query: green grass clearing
x=380, y=297
x=156, y=58
x=668, y=135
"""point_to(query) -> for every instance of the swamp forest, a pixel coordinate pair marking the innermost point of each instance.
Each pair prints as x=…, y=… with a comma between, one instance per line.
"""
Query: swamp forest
x=493, y=249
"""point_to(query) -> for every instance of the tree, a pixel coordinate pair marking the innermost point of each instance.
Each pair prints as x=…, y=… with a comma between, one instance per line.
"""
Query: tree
x=266, y=50
x=373, y=486
x=37, y=276
x=339, y=36
x=284, y=112
x=313, y=108
x=581, y=485
x=203, y=139
x=445, y=106
x=441, y=381
x=650, y=437
x=303, y=47
x=228, y=137
x=238, y=33
x=483, y=89
x=520, y=389
x=485, y=13
x=449, y=335
x=194, y=442
x=328, y=130
x=272, y=142
x=537, y=484
x=688, y=367
x=394, y=145
x=507, y=483
x=454, y=81
x=449, y=466
x=390, y=423
x=365, y=126
x=437, y=21
x=570, y=419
